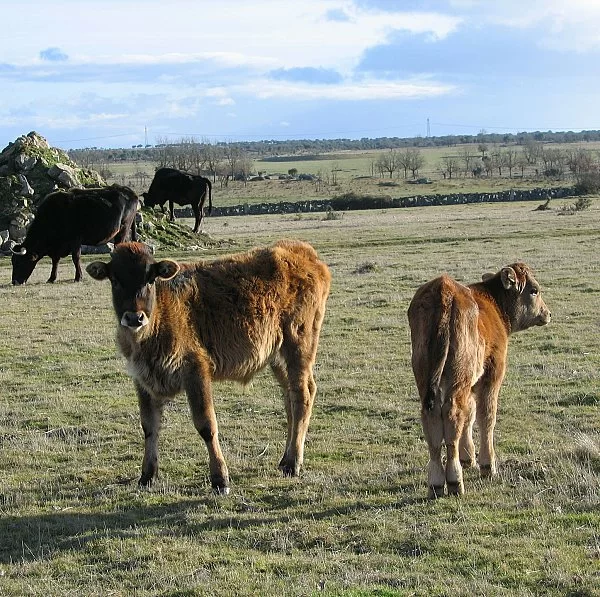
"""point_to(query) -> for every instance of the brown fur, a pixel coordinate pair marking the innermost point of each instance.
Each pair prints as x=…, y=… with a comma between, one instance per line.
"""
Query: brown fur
x=211, y=321
x=459, y=338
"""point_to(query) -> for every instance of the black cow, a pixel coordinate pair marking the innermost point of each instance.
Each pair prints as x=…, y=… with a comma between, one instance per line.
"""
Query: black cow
x=65, y=220
x=179, y=187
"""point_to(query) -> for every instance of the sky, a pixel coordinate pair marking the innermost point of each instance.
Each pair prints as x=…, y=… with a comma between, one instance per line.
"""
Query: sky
x=117, y=73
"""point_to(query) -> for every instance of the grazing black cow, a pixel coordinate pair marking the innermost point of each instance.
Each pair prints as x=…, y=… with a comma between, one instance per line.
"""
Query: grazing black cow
x=65, y=220
x=178, y=187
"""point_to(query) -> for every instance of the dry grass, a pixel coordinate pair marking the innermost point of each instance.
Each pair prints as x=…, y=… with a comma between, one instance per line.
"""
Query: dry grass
x=73, y=521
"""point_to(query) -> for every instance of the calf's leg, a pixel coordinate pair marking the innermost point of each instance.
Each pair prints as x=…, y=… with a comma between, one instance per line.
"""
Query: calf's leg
x=150, y=416
x=433, y=430
x=198, y=388
x=467, y=447
x=454, y=417
x=487, y=402
x=302, y=390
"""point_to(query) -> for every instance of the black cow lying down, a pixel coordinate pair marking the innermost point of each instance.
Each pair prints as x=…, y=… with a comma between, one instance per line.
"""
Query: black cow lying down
x=179, y=187
x=65, y=220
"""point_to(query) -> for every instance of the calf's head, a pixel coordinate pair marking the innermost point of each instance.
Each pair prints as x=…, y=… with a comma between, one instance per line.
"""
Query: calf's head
x=23, y=264
x=522, y=297
x=132, y=272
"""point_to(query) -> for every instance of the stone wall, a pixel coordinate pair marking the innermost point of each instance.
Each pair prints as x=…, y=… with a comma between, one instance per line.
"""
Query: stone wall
x=352, y=201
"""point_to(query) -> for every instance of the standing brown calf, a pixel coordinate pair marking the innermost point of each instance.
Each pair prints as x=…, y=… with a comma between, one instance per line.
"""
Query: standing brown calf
x=183, y=326
x=459, y=338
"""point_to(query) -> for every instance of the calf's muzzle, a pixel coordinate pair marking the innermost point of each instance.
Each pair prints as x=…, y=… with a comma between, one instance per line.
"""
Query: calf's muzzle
x=134, y=320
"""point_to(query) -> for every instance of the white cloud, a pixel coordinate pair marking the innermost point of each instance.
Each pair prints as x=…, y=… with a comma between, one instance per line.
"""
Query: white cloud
x=348, y=91
x=557, y=24
x=232, y=32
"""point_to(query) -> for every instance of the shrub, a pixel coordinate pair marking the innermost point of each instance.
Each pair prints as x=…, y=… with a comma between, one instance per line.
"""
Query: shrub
x=588, y=183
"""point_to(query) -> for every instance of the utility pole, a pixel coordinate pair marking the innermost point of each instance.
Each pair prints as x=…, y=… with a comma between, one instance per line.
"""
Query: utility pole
x=428, y=129
x=146, y=135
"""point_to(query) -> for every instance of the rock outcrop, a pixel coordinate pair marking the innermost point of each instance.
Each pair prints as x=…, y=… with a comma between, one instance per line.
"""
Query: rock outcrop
x=29, y=170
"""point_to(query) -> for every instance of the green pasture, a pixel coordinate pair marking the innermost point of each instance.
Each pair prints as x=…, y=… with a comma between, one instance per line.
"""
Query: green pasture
x=357, y=522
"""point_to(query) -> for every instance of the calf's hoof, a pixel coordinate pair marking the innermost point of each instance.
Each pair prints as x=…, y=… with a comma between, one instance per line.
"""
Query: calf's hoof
x=220, y=485
x=455, y=488
x=487, y=470
x=435, y=492
x=468, y=463
x=289, y=470
x=146, y=481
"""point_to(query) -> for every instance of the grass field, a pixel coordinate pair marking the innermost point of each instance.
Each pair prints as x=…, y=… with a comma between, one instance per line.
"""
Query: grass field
x=345, y=172
x=357, y=522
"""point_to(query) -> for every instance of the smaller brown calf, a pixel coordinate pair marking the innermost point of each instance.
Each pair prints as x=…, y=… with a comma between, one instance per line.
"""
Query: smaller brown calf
x=459, y=337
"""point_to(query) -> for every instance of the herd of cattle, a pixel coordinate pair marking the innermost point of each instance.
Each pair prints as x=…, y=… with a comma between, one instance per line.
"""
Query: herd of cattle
x=182, y=326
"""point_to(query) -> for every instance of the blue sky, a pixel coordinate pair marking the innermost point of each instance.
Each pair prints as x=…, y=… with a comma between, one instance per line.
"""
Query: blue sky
x=113, y=73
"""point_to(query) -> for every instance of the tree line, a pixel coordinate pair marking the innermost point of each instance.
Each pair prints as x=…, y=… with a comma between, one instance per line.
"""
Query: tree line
x=226, y=161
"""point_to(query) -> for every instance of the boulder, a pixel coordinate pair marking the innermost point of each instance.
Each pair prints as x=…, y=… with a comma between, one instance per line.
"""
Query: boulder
x=26, y=190
x=65, y=175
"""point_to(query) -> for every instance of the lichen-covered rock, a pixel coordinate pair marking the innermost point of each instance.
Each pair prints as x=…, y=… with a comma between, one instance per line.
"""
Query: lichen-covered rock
x=29, y=170
x=65, y=175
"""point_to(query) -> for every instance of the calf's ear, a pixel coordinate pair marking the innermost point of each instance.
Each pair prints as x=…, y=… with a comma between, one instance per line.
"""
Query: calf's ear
x=485, y=277
x=165, y=269
x=98, y=270
x=509, y=277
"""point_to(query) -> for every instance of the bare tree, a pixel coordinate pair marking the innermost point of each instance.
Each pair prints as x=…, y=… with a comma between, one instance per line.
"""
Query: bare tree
x=488, y=164
x=553, y=160
x=521, y=163
x=510, y=159
x=532, y=150
x=212, y=158
x=499, y=161
x=388, y=162
x=467, y=158
x=579, y=161
x=414, y=160
x=449, y=165
x=233, y=155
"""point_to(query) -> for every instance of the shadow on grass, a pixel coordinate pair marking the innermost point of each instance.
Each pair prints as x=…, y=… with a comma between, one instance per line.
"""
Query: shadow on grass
x=37, y=537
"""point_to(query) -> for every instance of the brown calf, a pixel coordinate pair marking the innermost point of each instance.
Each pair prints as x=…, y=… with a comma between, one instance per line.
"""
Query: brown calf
x=183, y=326
x=459, y=338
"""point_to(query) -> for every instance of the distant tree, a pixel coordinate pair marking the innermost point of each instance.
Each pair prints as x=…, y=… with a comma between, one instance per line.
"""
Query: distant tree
x=449, y=165
x=213, y=158
x=532, y=150
x=335, y=168
x=467, y=159
x=499, y=161
x=293, y=172
x=553, y=160
x=415, y=160
x=521, y=163
x=488, y=165
x=482, y=147
x=579, y=160
x=510, y=159
x=232, y=154
x=388, y=162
